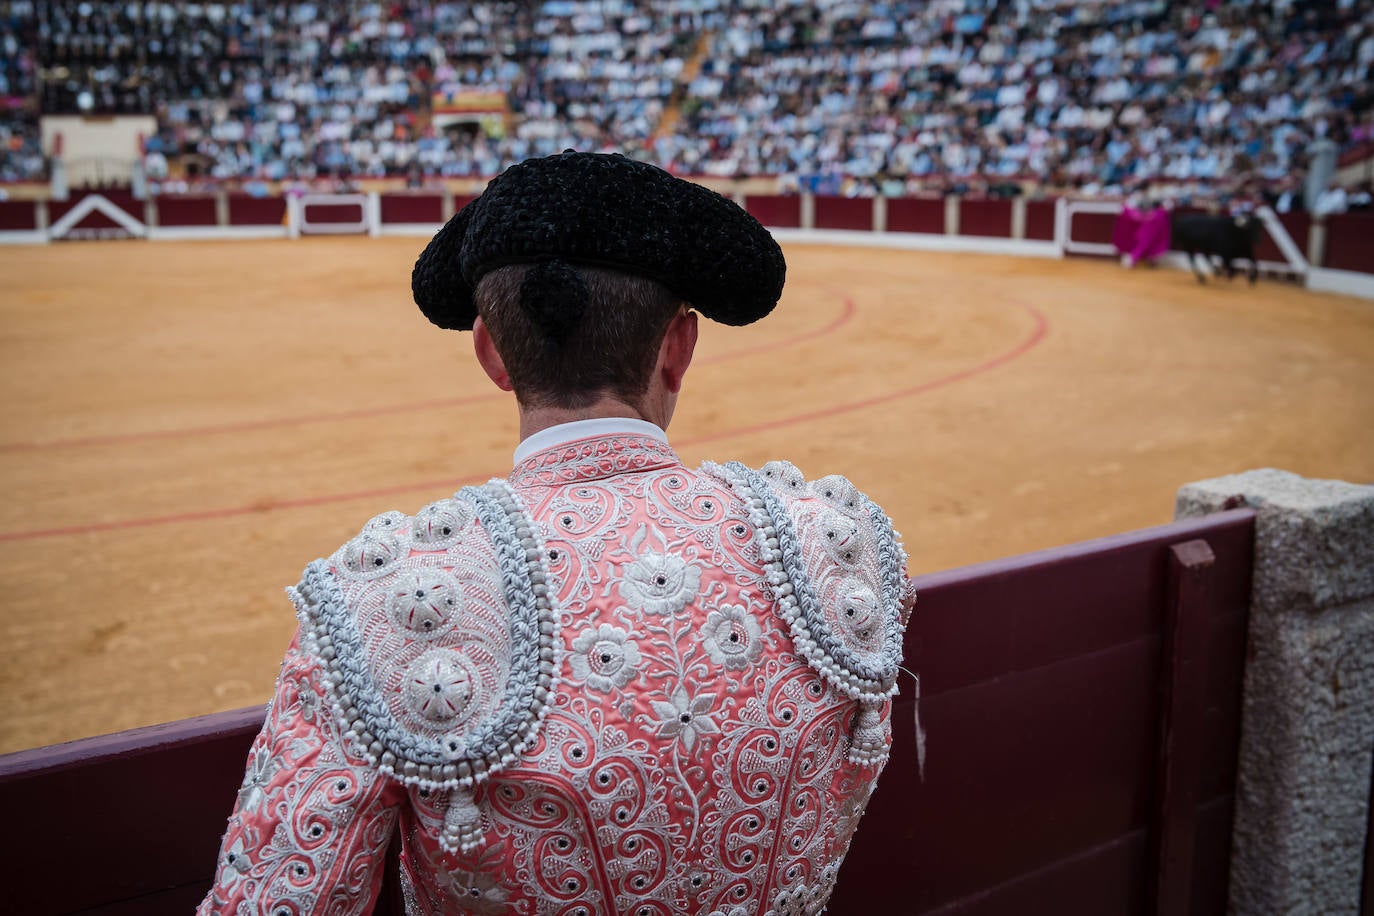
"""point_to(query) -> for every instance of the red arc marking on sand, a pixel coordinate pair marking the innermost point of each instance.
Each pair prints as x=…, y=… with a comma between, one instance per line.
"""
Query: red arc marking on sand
x=1037, y=334
x=363, y=413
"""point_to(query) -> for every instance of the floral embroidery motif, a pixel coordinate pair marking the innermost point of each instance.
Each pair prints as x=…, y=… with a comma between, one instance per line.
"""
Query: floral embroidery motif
x=685, y=717
x=480, y=892
x=604, y=658
x=659, y=583
x=732, y=637
x=262, y=766
x=235, y=865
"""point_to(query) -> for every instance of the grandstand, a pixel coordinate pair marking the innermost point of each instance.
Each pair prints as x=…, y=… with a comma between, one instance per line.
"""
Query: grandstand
x=860, y=97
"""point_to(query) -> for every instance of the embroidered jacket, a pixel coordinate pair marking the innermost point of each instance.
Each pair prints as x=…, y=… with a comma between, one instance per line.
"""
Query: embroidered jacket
x=608, y=684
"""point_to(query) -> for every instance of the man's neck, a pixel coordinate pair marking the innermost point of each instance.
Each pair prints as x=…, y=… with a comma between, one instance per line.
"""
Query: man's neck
x=536, y=419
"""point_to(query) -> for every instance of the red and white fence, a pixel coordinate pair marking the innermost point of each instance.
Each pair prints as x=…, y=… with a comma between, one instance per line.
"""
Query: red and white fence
x=1334, y=254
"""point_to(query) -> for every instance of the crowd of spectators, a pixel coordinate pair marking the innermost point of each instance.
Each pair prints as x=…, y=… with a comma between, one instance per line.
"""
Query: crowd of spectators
x=852, y=96
x=21, y=157
x=1095, y=96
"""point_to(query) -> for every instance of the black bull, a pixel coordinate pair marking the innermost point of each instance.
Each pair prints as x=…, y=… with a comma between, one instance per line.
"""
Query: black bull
x=1226, y=237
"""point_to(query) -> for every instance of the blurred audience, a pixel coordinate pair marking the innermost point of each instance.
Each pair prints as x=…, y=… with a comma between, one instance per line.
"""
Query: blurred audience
x=1214, y=99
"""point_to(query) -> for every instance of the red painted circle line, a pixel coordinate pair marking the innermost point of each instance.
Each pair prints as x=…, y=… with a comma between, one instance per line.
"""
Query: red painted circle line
x=362, y=413
x=1037, y=334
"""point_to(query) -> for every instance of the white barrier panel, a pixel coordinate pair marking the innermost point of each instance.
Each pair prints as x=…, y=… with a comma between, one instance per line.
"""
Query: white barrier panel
x=418, y=230
x=23, y=237
x=368, y=221
x=211, y=233
x=1063, y=225
x=1345, y=282
x=96, y=203
x=919, y=241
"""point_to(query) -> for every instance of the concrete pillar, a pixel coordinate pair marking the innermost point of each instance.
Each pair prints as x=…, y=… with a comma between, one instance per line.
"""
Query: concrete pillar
x=1316, y=243
x=951, y=215
x=1307, y=728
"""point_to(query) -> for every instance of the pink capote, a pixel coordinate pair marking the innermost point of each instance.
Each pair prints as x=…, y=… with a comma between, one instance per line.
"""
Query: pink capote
x=1142, y=235
x=690, y=761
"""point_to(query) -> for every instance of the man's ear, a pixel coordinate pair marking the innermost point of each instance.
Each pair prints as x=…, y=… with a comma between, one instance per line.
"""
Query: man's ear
x=675, y=355
x=490, y=360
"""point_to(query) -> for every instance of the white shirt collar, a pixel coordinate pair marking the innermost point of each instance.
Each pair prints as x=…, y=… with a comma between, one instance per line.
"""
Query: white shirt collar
x=564, y=433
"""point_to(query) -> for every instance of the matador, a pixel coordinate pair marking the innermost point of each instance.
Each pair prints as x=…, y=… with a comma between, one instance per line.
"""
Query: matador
x=607, y=683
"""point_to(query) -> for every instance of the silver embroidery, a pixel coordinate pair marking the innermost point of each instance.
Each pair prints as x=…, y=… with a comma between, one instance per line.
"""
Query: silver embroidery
x=418, y=716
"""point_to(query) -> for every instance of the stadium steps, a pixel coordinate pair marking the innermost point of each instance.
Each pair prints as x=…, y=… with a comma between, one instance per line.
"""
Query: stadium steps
x=672, y=112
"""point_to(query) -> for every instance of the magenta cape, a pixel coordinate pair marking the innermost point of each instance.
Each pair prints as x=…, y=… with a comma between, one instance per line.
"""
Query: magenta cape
x=1143, y=235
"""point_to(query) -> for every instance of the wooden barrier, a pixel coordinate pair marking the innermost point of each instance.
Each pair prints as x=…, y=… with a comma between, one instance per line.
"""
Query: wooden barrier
x=985, y=217
x=412, y=208
x=18, y=215
x=1339, y=243
x=916, y=214
x=1350, y=242
x=844, y=213
x=777, y=210
x=1054, y=774
x=245, y=210
x=1080, y=708
x=188, y=210
x=1040, y=220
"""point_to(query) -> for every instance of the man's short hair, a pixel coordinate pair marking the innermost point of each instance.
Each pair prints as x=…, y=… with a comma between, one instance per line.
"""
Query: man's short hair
x=611, y=348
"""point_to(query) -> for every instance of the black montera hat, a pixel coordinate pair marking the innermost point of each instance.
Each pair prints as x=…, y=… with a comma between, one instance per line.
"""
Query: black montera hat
x=603, y=210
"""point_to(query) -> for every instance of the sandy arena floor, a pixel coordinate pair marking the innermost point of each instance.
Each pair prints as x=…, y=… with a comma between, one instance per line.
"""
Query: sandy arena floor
x=185, y=425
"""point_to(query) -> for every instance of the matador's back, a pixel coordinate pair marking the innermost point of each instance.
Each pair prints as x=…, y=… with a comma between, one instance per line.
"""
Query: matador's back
x=608, y=684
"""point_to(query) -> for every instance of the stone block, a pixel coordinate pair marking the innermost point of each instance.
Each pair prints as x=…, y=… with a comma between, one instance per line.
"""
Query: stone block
x=1307, y=730
x=1314, y=539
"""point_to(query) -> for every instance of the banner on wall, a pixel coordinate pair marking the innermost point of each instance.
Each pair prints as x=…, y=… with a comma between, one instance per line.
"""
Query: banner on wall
x=470, y=101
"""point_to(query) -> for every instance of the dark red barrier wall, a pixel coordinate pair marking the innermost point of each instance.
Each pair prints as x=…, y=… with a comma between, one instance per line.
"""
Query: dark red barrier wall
x=916, y=214
x=124, y=200
x=775, y=210
x=1040, y=706
x=844, y=213
x=1297, y=225
x=186, y=211
x=18, y=215
x=412, y=208
x=334, y=213
x=1092, y=227
x=983, y=217
x=1040, y=684
x=1350, y=242
x=256, y=211
x=1040, y=220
